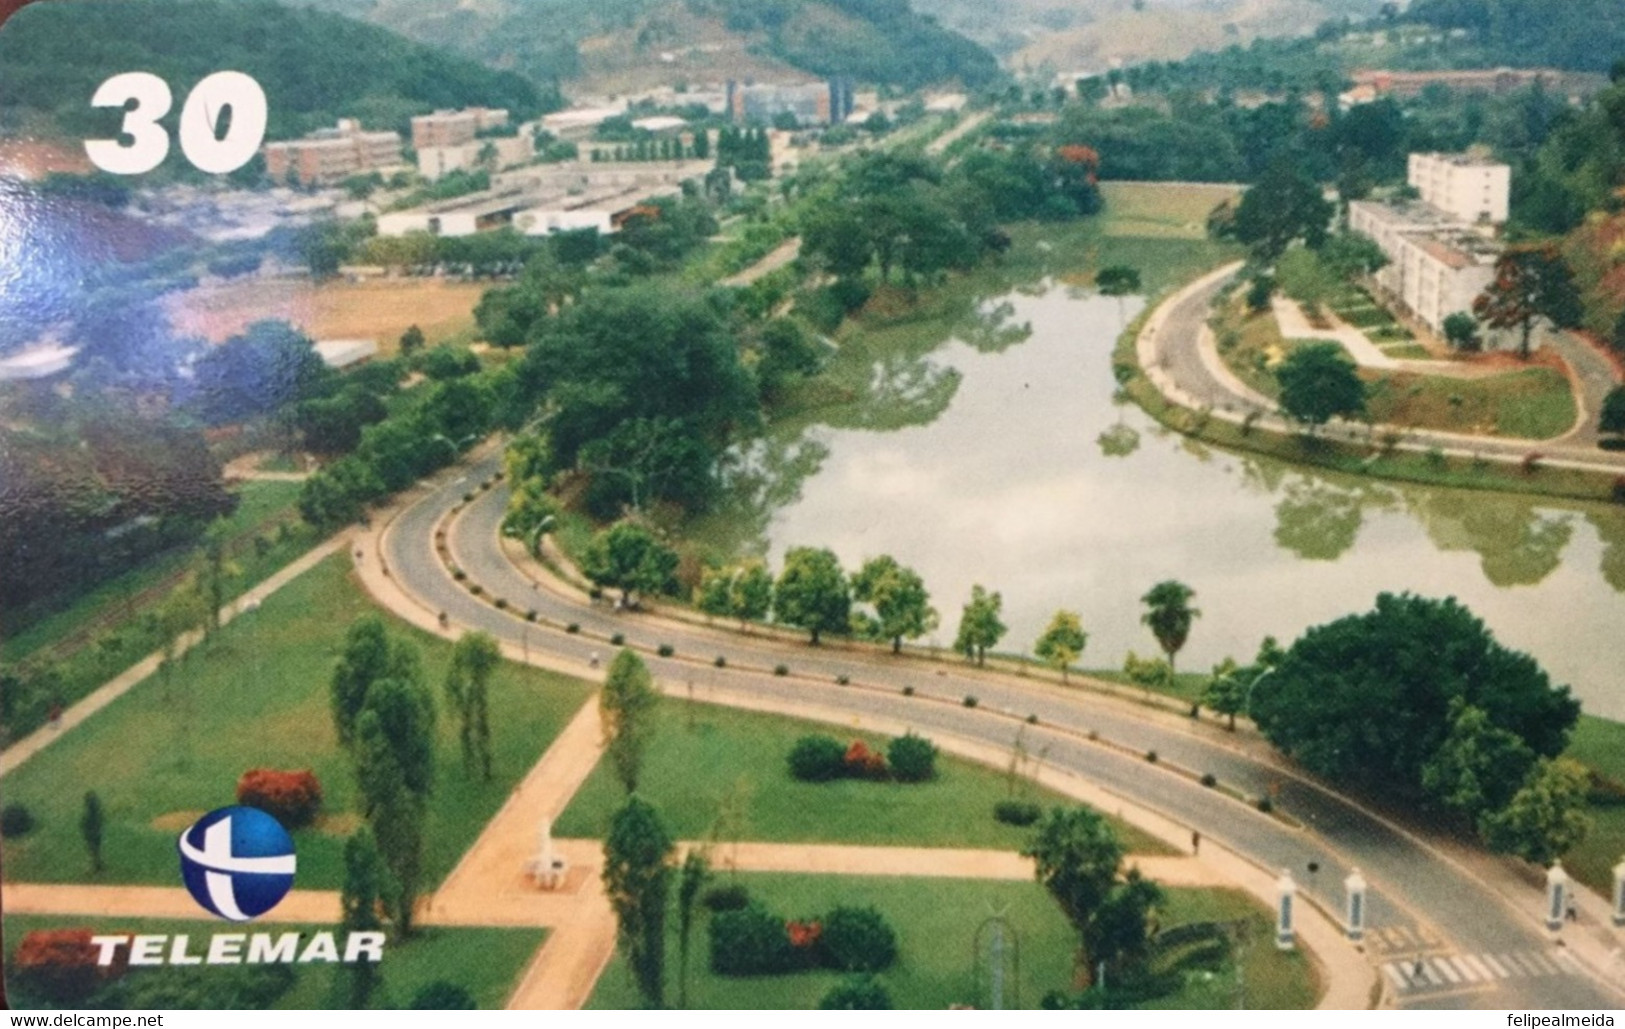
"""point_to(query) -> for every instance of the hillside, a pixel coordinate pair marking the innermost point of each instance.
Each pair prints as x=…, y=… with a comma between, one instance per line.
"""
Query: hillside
x=314, y=66
x=1041, y=36
x=621, y=45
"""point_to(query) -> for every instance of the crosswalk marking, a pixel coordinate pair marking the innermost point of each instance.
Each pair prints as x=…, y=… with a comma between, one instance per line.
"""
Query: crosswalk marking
x=1451, y=970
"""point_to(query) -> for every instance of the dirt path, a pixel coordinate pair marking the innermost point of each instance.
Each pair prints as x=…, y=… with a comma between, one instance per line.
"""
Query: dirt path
x=782, y=255
x=248, y=467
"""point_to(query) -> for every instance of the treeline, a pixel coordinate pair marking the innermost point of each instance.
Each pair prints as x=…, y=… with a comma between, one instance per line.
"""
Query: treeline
x=1582, y=35
x=879, y=41
x=315, y=67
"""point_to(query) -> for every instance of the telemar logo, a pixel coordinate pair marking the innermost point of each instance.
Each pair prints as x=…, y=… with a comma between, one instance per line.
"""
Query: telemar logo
x=238, y=863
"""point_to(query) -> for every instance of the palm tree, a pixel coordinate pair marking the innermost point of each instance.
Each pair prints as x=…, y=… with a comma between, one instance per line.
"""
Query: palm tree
x=1169, y=614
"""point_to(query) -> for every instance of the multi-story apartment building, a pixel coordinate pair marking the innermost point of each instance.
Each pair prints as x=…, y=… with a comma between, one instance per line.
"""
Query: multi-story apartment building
x=815, y=103
x=1470, y=188
x=332, y=155
x=455, y=128
x=1441, y=253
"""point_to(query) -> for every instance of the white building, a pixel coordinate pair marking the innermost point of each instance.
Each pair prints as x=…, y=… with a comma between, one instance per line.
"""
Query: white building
x=1469, y=188
x=346, y=353
x=543, y=221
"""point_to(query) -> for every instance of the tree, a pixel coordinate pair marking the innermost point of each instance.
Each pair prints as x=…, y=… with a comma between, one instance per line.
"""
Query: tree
x=1169, y=614
x=711, y=596
x=1612, y=417
x=1531, y=282
x=1461, y=332
x=366, y=885
x=412, y=340
x=859, y=993
x=812, y=592
x=1318, y=382
x=368, y=656
x=696, y=872
x=1063, y=641
x=1076, y=857
x=474, y=657
x=1478, y=766
x=979, y=624
x=627, y=708
x=1368, y=699
x=750, y=596
x=899, y=598
x=1349, y=255
x=637, y=878
x=91, y=824
x=1225, y=692
x=1118, y=935
x=394, y=763
x=1546, y=818
x=627, y=556
x=1117, y=280
x=1284, y=206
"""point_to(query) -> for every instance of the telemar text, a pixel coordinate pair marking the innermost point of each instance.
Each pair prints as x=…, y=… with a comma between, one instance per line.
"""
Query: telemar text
x=243, y=949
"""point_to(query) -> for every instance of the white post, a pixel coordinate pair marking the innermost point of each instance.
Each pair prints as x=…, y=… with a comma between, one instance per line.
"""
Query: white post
x=1286, y=893
x=1557, y=895
x=1355, y=886
x=1619, y=895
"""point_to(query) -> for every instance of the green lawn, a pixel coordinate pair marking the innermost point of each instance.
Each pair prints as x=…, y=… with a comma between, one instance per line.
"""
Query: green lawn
x=1600, y=744
x=257, y=696
x=702, y=753
x=937, y=921
x=486, y=962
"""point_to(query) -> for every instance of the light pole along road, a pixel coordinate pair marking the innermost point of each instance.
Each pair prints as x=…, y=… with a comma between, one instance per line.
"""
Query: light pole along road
x=1479, y=950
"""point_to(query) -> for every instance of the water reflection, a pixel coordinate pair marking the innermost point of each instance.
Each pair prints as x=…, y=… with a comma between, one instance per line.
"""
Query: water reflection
x=1004, y=463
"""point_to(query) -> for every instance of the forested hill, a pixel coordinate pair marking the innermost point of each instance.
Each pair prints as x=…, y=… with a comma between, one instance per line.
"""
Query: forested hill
x=615, y=46
x=314, y=66
x=1580, y=35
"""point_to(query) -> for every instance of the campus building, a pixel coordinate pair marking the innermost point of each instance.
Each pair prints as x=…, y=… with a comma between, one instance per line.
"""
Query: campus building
x=814, y=103
x=454, y=128
x=1441, y=248
x=327, y=156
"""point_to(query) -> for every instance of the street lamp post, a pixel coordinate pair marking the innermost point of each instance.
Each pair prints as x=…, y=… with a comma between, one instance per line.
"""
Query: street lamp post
x=1557, y=892
x=1286, y=893
x=1355, y=887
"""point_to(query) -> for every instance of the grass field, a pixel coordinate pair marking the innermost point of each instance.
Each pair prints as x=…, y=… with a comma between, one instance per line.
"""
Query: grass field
x=380, y=309
x=937, y=921
x=486, y=962
x=703, y=752
x=257, y=697
x=1162, y=210
x=1600, y=744
x=1523, y=403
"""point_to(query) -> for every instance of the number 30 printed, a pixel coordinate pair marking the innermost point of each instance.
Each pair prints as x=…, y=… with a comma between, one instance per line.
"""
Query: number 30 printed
x=201, y=119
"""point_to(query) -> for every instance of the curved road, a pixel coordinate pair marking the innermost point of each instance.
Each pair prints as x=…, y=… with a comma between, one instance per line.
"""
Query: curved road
x=1415, y=890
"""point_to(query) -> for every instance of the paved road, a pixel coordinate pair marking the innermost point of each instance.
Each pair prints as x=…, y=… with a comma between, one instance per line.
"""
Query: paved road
x=1414, y=888
x=1178, y=353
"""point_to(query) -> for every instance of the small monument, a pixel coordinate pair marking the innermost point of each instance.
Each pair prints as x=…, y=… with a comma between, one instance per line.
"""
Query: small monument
x=547, y=867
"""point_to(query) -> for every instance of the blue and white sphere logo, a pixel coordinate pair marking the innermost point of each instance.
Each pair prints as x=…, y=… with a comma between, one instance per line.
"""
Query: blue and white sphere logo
x=237, y=862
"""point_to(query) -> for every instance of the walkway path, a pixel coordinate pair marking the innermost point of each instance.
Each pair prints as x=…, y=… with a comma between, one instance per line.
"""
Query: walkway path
x=777, y=258
x=1296, y=325
x=248, y=467
x=121, y=684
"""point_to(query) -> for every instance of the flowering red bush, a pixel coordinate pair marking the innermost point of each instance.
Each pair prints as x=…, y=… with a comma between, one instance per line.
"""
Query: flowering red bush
x=804, y=935
x=292, y=798
x=863, y=763
x=60, y=965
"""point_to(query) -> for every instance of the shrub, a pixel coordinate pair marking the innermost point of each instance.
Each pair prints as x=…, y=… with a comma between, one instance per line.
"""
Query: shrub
x=859, y=993
x=618, y=639
x=781, y=670
x=1017, y=812
x=1265, y=805
x=720, y=662
x=476, y=589
x=1032, y=719
x=750, y=941
x=1209, y=780
x=60, y=965
x=442, y=996
x=532, y=615
x=726, y=897
x=573, y=628
x=468, y=498
x=860, y=762
x=1151, y=756
x=665, y=650
x=501, y=603
x=292, y=798
x=912, y=758
x=459, y=574
x=908, y=691
x=858, y=940
x=817, y=759
x=16, y=820
x=970, y=701
x=843, y=680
